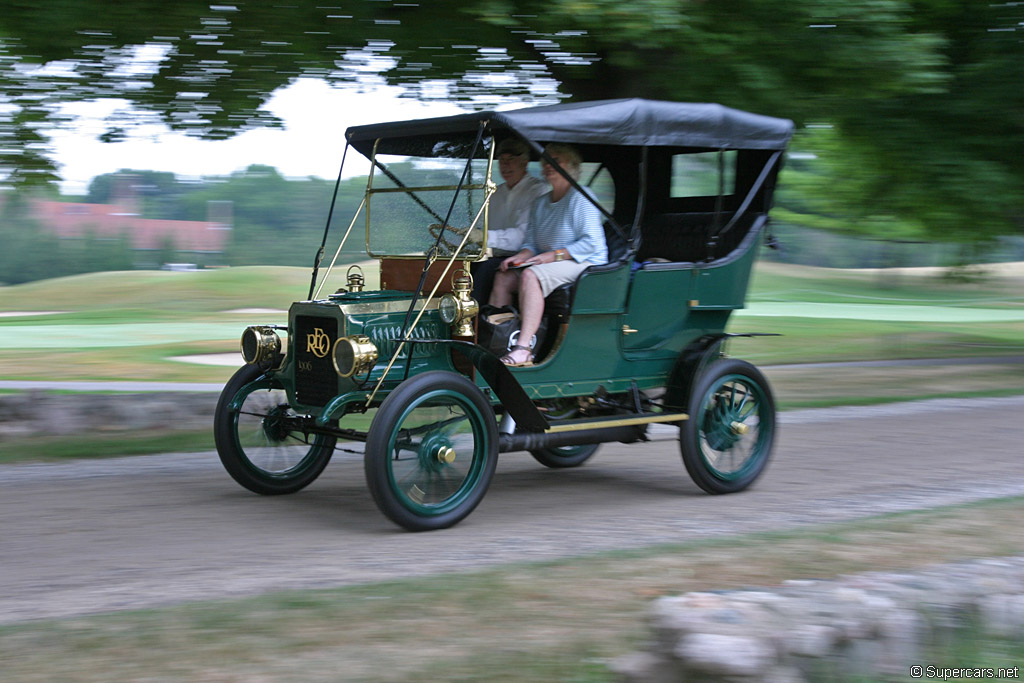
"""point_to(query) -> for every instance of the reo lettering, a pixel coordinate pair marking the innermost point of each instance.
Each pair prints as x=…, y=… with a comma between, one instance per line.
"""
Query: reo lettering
x=318, y=343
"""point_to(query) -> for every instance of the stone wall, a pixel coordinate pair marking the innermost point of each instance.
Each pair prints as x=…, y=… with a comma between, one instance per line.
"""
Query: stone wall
x=874, y=625
x=36, y=413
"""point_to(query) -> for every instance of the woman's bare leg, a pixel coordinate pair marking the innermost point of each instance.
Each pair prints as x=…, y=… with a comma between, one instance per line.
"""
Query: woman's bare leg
x=505, y=283
x=531, y=308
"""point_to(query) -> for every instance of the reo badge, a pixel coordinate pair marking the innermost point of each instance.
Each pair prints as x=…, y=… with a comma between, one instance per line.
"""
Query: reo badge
x=318, y=343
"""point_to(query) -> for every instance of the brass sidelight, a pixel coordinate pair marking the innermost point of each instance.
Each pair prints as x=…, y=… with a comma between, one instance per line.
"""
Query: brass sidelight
x=458, y=308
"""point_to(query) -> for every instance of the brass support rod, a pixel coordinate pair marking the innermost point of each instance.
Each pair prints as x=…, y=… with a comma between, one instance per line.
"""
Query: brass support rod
x=394, y=357
x=338, y=252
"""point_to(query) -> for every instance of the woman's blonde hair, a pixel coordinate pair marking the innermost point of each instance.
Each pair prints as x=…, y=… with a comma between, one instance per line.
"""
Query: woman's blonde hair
x=570, y=156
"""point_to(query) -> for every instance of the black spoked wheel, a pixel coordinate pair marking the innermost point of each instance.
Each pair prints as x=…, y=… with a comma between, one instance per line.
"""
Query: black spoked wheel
x=728, y=439
x=564, y=456
x=260, y=439
x=431, y=451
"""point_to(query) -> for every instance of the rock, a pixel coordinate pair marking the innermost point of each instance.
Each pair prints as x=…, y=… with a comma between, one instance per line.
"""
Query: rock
x=1003, y=615
x=725, y=655
x=870, y=625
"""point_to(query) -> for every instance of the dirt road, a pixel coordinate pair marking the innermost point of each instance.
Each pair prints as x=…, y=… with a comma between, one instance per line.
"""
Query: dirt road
x=114, y=534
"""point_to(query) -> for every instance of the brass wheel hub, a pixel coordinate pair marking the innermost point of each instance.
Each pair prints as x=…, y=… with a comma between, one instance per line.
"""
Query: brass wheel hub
x=446, y=455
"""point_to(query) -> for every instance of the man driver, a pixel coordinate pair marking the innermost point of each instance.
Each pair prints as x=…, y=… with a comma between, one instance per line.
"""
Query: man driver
x=508, y=214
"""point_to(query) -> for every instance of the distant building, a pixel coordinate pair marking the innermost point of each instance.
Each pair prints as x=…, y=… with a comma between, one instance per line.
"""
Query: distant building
x=201, y=242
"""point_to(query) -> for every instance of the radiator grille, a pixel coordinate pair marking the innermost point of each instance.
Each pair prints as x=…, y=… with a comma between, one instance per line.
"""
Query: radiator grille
x=316, y=382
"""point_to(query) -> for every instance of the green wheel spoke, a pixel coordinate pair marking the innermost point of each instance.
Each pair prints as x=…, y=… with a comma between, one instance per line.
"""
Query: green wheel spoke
x=738, y=410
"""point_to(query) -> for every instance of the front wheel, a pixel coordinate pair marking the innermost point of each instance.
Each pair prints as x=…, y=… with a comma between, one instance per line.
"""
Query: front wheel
x=431, y=451
x=728, y=439
x=262, y=444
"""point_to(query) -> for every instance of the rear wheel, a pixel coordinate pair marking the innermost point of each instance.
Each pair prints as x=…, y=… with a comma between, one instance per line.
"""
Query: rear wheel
x=728, y=439
x=431, y=451
x=563, y=456
x=262, y=444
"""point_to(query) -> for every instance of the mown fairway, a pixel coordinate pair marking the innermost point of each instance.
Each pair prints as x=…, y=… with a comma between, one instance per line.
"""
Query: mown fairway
x=130, y=326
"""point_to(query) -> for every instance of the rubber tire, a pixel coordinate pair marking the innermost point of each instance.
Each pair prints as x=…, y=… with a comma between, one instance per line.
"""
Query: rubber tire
x=707, y=427
x=565, y=456
x=241, y=466
x=433, y=388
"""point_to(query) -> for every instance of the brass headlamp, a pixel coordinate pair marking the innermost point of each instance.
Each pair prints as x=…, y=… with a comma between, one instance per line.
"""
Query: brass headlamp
x=260, y=345
x=354, y=355
x=458, y=308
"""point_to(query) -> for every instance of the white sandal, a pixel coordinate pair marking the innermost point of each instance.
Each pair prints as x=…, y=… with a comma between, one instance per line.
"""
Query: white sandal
x=510, y=360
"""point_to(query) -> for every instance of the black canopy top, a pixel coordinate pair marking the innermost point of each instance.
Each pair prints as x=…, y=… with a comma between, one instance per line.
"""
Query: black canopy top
x=636, y=122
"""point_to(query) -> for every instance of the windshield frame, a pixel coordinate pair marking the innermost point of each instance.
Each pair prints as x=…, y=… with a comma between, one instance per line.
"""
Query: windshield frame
x=487, y=187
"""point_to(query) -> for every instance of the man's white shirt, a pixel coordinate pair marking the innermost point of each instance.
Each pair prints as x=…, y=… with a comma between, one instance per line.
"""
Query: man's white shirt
x=509, y=212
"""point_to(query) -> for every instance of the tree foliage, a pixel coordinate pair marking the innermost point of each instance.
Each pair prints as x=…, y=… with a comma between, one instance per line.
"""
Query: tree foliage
x=275, y=221
x=924, y=95
x=32, y=253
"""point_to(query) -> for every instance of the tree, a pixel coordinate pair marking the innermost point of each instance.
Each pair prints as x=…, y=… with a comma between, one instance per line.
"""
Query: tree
x=929, y=89
x=207, y=69
x=32, y=253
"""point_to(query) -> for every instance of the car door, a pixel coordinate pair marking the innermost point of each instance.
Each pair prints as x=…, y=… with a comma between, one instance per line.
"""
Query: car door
x=658, y=307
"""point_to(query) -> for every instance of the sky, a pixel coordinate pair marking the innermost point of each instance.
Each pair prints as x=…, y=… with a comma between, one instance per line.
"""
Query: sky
x=315, y=117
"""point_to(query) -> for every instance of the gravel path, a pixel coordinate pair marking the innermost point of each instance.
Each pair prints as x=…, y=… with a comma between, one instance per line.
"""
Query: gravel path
x=103, y=535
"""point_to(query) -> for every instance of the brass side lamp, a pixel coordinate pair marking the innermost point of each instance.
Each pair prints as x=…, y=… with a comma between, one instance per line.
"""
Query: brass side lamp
x=356, y=281
x=458, y=308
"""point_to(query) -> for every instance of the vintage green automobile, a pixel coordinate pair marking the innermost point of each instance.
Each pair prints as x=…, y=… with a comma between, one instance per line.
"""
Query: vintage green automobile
x=685, y=190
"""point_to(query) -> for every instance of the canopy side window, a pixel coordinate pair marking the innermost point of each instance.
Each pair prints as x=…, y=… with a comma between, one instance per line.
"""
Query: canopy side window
x=703, y=174
x=697, y=193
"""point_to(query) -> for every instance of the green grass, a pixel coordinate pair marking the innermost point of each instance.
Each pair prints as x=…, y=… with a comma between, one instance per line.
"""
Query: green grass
x=808, y=340
x=558, y=620
x=783, y=282
x=156, y=292
x=167, y=298
x=129, y=363
x=104, y=445
x=813, y=340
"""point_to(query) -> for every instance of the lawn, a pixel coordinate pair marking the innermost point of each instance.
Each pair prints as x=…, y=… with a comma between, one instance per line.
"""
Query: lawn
x=137, y=326
x=133, y=325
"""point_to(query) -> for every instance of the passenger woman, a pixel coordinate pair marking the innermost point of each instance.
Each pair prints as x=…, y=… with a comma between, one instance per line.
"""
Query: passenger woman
x=564, y=236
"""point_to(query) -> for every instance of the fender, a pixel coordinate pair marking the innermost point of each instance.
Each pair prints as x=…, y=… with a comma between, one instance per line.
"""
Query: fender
x=261, y=382
x=336, y=406
x=691, y=363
